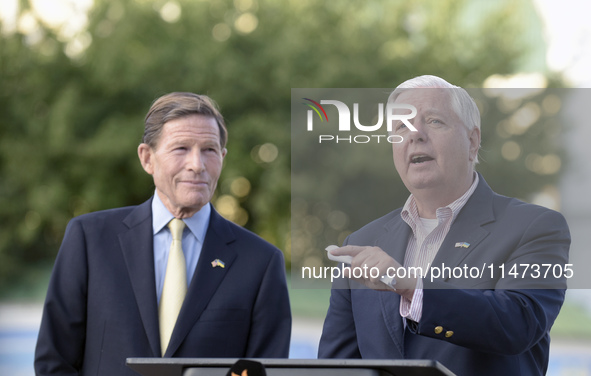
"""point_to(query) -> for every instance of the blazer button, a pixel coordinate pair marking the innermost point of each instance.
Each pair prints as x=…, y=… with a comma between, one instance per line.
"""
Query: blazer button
x=448, y=334
x=438, y=329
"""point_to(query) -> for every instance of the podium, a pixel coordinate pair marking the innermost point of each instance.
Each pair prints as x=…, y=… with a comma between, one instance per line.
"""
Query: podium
x=289, y=367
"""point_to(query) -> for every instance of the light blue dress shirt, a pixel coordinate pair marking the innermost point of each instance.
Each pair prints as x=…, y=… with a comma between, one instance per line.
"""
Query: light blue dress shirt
x=193, y=237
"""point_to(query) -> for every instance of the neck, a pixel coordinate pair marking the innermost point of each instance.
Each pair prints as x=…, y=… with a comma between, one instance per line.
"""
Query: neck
x=184, y=213
x=427, y=208
x=428, y=200
x=179, y=212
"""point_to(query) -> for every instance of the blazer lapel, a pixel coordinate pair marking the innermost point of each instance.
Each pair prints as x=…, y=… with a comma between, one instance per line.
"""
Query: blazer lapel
x=137, y=247
x=395, y=238
x=394, y=242
x=467, y=227
x=206, y=279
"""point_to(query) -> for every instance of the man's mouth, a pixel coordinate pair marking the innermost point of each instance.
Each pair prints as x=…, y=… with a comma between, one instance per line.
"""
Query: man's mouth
x=193, y=182
x=420, y=158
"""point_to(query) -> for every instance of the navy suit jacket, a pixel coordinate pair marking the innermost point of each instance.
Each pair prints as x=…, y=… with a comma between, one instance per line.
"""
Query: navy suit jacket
x=494, y=325
x=101, y=305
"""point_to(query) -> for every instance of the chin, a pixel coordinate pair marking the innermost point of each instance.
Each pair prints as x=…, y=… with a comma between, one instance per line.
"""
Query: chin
x=423, y=182
x=196, y=201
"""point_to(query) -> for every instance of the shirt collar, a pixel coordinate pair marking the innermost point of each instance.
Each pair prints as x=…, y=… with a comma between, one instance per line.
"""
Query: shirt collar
x=198, y=223
x=410, y=211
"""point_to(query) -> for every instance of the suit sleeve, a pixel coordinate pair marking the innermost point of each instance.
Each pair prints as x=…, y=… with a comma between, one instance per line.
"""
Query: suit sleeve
x=339, y=337
x=60, y=345
x=270, y=330
x=518, y=312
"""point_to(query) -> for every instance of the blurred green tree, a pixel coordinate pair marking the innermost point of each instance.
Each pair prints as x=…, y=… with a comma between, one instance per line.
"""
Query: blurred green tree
x=72, y=105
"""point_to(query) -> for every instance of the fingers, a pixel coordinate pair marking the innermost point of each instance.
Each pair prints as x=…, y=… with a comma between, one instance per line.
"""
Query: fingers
x=369, y=256
x=348, y=250
x=378, y=262
x=369, y=263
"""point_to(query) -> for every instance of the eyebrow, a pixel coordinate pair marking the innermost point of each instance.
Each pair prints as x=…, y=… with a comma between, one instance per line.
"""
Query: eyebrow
x=433, y=111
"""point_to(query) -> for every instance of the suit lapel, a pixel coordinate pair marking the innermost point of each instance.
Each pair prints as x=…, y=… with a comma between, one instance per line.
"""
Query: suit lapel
x=206, y=279
x=394, y=242
x=137, y=247
x=395, y=238
x=467, y=227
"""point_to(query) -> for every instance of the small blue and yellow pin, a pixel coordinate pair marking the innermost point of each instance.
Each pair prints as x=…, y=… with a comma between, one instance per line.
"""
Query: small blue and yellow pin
x=462, y=245
x=218, y=262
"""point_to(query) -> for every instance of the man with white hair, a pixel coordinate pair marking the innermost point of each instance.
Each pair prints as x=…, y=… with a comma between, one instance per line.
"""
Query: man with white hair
x=461, y=276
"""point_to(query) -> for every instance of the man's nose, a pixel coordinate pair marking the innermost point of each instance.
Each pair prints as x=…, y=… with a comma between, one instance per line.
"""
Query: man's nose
x=420, y=135
x=195, y=161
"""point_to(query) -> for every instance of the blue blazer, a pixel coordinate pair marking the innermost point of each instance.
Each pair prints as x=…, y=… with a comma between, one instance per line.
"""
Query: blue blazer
x=101, y=305
x=474, y=326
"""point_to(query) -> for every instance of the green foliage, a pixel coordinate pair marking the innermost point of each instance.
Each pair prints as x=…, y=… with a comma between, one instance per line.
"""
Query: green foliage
x=70, y=123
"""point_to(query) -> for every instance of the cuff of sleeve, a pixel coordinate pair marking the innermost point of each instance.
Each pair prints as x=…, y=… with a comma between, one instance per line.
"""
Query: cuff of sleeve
x=413, y=309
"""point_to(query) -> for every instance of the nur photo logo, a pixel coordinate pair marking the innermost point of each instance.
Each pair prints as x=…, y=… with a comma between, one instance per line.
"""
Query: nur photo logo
x=393, y=113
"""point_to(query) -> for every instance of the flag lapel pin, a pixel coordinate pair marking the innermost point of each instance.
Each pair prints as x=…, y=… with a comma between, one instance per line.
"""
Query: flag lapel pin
x=218, y=262
x=462, y=245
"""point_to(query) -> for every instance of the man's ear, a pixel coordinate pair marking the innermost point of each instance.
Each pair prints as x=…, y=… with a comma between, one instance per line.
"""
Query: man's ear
x=474, y=142
x=224, y=152
x=144, y=152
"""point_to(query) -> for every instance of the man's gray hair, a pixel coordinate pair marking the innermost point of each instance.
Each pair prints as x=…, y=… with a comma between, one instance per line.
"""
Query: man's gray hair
x=462, y=103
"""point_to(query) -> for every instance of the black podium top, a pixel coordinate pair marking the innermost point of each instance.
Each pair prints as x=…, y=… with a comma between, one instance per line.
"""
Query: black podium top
x=289, y=367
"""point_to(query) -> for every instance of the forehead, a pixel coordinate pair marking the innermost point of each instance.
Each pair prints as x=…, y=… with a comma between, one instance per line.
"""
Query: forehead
x=427, y=99
x=195, y=126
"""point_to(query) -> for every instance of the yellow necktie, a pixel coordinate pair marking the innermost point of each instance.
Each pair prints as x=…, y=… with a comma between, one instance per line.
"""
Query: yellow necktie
x=175, y=284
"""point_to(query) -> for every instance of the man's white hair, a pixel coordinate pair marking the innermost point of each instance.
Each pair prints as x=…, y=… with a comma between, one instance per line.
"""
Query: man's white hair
x=461, y=102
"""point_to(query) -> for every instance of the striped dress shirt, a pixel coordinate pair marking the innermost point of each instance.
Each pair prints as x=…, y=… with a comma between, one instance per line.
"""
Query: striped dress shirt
x=424, y=244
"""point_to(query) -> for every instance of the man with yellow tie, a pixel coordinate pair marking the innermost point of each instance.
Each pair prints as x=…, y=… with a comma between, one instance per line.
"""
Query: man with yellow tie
x=169, y=277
